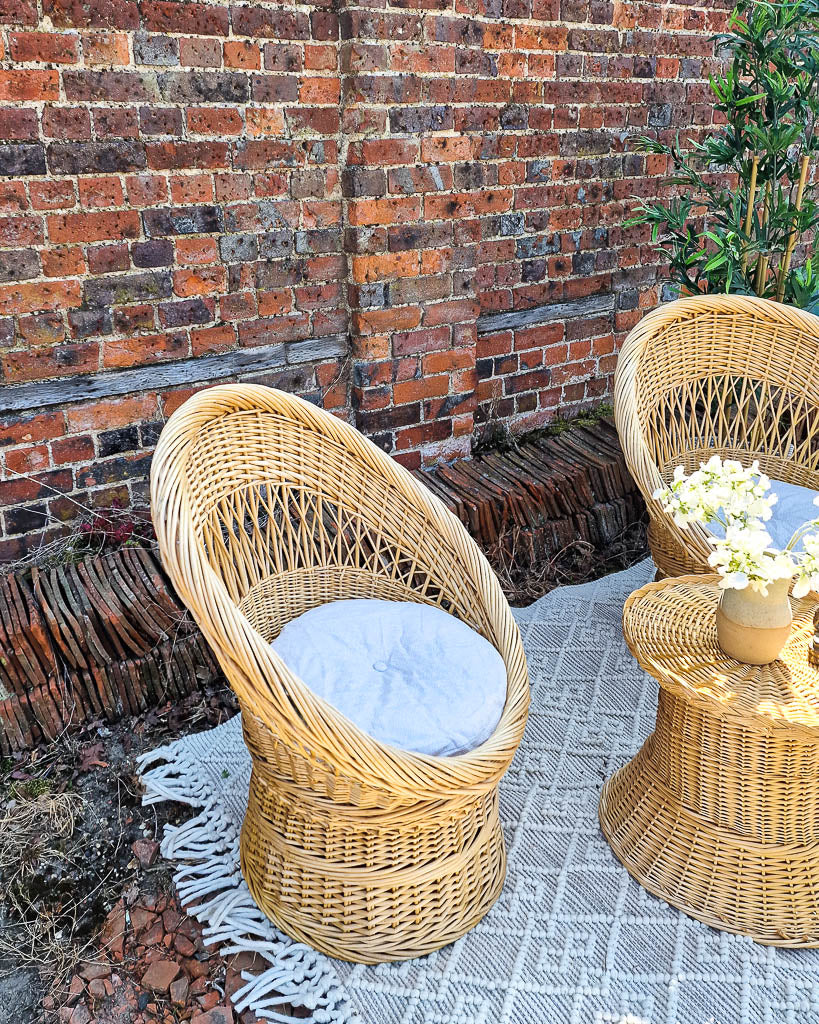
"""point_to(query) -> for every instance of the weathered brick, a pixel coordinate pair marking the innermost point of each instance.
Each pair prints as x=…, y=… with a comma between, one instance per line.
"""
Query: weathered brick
x=203, y=87
x=122, y=289
x=238, y=248
x=19, y=264
x=89, y=323
x=21, y=159
x=200, y=53
x=112, y=86
x=105, y=259
x=161, y=120
x=184, y=220
x=156, y=50
x=253, y=20
x=156, y=253
x=53, y=361
x=115, y=122
x=188, y=311
x=96, y=157
x=42, y=328
x=93, y=13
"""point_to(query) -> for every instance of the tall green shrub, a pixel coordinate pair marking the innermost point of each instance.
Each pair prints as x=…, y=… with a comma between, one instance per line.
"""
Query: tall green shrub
x=738, y=234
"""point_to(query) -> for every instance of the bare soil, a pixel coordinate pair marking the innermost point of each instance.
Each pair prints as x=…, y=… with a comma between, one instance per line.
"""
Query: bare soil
x=69, y=815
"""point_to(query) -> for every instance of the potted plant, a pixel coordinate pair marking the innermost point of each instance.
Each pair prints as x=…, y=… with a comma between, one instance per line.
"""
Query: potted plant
x=744, y=206
x=754, y=614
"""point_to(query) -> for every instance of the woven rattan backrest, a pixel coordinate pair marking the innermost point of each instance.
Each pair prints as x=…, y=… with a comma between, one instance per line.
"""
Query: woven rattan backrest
x=271, y=497
x=733, y=376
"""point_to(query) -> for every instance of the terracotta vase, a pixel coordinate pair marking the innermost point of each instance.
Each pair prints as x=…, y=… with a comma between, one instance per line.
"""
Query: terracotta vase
x=752, y=628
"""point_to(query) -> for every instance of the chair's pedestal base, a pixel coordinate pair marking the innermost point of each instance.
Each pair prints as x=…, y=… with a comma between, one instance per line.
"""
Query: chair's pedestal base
x=738, y=883
x=365, y=886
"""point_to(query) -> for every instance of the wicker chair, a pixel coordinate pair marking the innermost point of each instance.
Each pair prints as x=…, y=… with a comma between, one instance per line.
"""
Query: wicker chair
x=718, y=374
x=266, y=506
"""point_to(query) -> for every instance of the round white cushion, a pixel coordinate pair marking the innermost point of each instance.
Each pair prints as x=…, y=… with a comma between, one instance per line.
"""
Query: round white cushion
x=410, y=675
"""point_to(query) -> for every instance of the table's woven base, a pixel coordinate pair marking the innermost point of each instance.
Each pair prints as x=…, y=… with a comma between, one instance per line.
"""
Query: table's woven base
x=767, y=890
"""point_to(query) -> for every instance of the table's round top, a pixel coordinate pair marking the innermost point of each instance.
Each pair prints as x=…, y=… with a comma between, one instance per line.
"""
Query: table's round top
x=671, y=630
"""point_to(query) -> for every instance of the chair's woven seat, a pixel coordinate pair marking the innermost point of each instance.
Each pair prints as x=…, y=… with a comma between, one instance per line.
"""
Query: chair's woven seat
x=265, y=507
x=727, y=375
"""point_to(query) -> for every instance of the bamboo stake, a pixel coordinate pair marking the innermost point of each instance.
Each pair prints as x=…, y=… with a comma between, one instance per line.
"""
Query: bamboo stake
x=791, y=245
x=762, y=264
x=749, y=216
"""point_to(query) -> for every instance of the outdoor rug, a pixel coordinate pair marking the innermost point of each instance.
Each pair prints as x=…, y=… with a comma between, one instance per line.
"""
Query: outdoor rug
x=573, y=939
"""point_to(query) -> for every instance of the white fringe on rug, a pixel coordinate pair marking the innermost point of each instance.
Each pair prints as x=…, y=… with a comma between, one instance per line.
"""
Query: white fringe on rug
x=211, y=888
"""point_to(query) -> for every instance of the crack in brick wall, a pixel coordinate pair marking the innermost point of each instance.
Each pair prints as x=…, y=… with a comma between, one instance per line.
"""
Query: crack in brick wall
x=184, y=180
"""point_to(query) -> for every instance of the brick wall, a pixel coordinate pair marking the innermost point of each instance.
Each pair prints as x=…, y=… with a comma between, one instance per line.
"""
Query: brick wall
x=409, y=212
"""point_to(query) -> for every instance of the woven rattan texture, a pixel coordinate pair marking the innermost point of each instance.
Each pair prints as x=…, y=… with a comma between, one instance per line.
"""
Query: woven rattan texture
x=730, y=375
x=719, y=811
x=266, y=506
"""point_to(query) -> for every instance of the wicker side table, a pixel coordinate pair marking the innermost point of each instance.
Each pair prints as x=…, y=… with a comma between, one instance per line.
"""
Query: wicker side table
x=718, y=813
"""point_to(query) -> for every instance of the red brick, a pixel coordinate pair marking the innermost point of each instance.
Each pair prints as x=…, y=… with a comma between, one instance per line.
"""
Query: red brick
x=423, y=387
x=197, y=251
x=46, y=47
x=144, y=349
x=51, y=195
x=375, y=321
x=31, y=459
x=385, y=265
x=450, y=312
x=93, y=227
x=212, y=339
x=241, y=53
x=100, y=192
x=208, y=281
x=31, y=428
x=384, y=211
x=29, y=84
x=191, y=188
x=66, y=450
x=214, y=121
x=264, y=121
x=45, y=295
x=107, y=415
x=57, y=361
x=324, y=91
x=446, y=148
x=105, y=48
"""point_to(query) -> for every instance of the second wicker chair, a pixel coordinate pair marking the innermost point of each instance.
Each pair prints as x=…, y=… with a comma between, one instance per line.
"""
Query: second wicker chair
x=265, y=507
x=729, y=375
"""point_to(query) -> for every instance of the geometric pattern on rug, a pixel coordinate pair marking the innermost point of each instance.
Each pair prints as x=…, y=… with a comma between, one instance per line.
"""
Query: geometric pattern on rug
x=573, y=939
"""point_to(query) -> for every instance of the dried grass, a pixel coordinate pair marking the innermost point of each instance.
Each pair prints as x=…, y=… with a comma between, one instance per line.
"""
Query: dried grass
x=40, y=932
